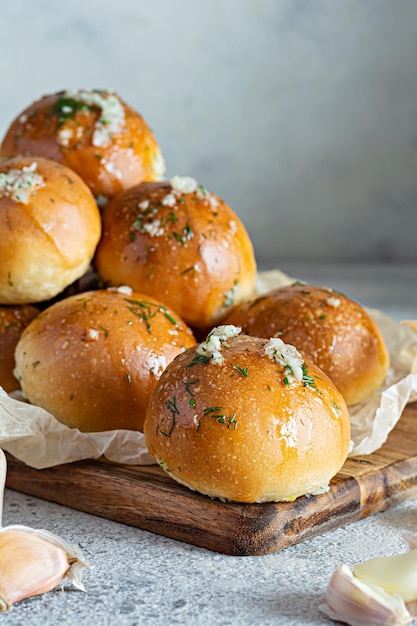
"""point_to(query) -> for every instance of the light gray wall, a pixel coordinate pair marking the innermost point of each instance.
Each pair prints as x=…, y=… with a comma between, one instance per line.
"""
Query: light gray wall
x=301, y=114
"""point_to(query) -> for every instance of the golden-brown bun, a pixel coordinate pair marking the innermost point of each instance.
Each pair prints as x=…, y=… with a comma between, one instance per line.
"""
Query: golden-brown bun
x=13, y=321
x=330, y=329
x=93, y=359
x=61, y=127
x=48, y=231
x=240, y=430
x=187, y=249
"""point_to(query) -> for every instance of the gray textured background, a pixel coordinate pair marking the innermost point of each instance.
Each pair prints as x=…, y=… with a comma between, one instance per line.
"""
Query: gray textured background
x=301, y=114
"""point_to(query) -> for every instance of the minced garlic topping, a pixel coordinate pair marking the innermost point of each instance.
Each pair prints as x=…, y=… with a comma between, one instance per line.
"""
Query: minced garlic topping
x=112, y=118
x=154, y=229
x=214, y=342
x=125, y=289
x=185, y=184
x=19, y=185
x=287, y=355
x=64, y=135
x=333, y=301
x=92, y=334
x=169, y=200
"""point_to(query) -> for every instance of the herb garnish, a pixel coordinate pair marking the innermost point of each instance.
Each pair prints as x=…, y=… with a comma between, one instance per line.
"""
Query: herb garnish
x=185, y=235
x=189, y=269
x=66, y=109
x=229, y=296
x=215, y=412
x=243, y=370
x=187, y=385
x=308, y=381
x=198, y=358
x=171, y=405
x=147, y=310
x=212, y=409
x=167, y=315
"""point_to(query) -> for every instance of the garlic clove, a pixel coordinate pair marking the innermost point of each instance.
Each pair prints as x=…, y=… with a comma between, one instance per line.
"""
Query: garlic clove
x=34, y=561
x=395, y=574
x=3, y=471
x=358, y=603
x=74, y=574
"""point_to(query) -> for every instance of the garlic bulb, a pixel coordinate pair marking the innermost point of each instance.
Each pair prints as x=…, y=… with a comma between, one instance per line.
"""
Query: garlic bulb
x=378, y=592
x=33, y=561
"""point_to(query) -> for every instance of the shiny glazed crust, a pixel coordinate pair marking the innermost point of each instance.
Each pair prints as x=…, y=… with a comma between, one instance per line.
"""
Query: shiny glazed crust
x=131, y=156
x=330, y=329
x=48, y=242
x=235, y=430
x=189, y=250
x=93, y=359
x=13, y=321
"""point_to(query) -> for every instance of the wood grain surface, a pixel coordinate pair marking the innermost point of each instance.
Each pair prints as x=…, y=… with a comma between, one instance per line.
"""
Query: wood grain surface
x=145, y=497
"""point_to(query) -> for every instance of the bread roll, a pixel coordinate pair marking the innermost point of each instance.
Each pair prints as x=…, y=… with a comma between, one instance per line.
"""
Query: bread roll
x=247, y=419
x=329, y=328
x=13, y=320
x=94, y=133
x=93, y=359
x=181, y=244
x=49, y=229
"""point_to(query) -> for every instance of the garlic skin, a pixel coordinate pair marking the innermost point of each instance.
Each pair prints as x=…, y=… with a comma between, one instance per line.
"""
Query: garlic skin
x=354, y=602
x=410, y=539
x=34, y=561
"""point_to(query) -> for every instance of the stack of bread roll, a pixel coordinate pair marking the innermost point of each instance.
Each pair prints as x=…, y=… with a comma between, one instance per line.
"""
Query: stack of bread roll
x=129, y=271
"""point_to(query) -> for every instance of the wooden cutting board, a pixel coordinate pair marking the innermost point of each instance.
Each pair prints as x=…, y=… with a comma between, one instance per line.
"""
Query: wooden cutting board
x=145, y=497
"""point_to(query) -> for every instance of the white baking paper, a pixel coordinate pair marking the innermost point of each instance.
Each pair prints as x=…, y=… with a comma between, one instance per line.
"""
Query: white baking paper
x=34, y=436
x=39, y=440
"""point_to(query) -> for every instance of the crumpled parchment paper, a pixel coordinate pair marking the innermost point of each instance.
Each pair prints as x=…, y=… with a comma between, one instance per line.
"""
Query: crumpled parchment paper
x=35, y=437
